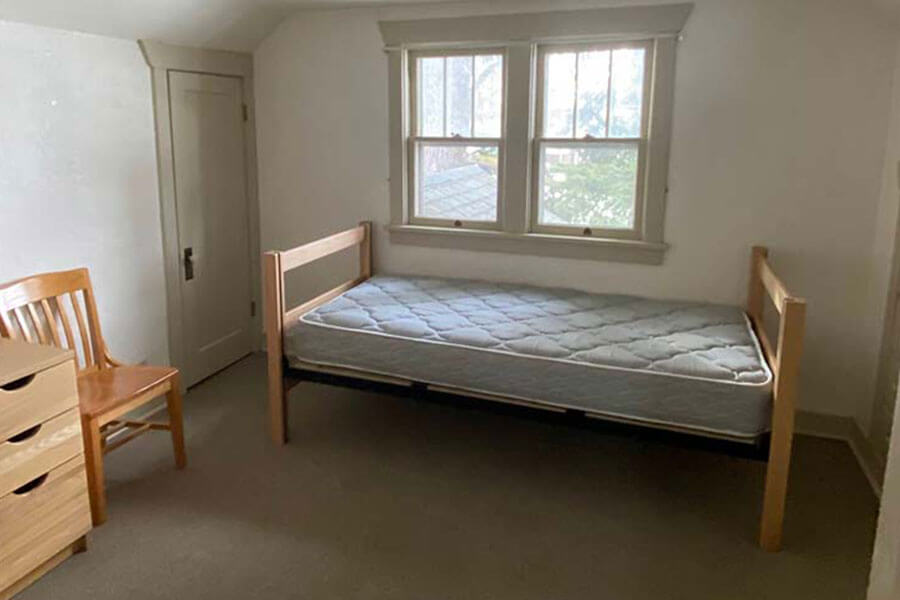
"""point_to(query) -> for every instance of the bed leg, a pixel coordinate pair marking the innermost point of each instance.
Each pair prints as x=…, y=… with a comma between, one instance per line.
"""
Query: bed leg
x=776, y=483
x=273, y=295
x=277, y=409
x=787, y=369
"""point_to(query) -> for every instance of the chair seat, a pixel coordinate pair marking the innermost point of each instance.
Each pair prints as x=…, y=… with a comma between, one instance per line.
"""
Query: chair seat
x=102, y=390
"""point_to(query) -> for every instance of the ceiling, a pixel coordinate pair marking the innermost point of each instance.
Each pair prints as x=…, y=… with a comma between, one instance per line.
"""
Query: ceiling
x=221, y=24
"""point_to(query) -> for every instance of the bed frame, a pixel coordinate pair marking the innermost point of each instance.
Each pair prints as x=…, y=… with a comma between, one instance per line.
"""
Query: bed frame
x=783, y=356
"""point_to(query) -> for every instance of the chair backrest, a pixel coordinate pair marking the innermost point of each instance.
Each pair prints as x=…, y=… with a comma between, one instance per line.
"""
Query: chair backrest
x=54, y=308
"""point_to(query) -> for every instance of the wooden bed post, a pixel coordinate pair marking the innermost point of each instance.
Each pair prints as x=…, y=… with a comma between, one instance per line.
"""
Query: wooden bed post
x=365, y=251
x=275, y=265
x=787, y=371
x=784, y=360
x=273, y=296
x=755, y=289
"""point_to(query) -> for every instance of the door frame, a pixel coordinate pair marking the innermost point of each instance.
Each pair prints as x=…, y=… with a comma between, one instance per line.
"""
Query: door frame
x=163, y=58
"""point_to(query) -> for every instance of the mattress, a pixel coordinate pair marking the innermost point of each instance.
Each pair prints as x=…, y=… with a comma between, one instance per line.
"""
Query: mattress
x=673, y=364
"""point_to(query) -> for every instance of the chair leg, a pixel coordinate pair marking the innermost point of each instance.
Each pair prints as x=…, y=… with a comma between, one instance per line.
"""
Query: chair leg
x=176, y=425
x=93, y=456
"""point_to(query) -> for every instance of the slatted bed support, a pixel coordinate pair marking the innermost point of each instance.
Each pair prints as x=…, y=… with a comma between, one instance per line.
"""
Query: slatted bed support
x=275, y=266
x=784, y=360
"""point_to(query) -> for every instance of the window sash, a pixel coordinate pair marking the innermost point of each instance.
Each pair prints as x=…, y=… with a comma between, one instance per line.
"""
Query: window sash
x=632, y=233
x=413, y=171
x=414, y=55
x=558, y=48
x=539, y=141
x=415, y=139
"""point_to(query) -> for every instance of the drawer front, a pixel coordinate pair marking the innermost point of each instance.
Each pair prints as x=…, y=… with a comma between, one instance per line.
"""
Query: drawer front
x=37, y=450
x=35, y=399
x=37, y=523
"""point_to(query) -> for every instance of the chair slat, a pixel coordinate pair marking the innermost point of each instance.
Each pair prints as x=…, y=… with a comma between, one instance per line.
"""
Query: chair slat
x=7, y=328
x=36, y=321
x=23, y=325
x=50, y=318
x=82, y=330
x=90, y=305
x=64, y=319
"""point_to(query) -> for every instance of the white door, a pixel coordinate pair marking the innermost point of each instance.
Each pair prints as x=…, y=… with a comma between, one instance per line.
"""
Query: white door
x=211, y=198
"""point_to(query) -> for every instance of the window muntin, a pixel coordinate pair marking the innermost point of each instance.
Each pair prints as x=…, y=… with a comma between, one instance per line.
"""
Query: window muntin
x=589, y=151
x=456, y=145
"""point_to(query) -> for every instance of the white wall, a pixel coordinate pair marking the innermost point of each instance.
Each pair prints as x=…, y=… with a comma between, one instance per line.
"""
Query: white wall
x=884, y=582
x=78, y=176
x=781, y=110
x=884, y=247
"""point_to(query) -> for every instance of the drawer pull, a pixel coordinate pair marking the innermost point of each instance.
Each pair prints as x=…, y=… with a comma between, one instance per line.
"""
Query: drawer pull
x=17, y=383
x=27, y=434
x=31, y=485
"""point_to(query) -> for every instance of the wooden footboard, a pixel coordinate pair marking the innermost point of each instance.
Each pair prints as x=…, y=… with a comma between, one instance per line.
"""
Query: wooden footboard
x=784, y=359
x=275, y=265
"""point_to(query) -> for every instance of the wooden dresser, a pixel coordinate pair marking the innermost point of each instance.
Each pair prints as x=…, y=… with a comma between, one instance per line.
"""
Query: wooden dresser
x=44, y=510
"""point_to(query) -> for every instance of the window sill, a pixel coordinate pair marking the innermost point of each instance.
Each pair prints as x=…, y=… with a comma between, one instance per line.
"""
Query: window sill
x=537, y=244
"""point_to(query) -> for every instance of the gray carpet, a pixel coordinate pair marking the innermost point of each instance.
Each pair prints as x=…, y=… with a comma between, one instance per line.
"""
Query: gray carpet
x=379, y=497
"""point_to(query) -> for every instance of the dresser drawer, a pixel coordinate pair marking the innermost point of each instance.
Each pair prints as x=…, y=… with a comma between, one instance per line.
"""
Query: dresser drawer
x=37, y=450
x=36, y=521
x=36, y=398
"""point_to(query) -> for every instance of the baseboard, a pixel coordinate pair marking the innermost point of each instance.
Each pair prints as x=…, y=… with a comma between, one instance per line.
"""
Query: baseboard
x=844, y=428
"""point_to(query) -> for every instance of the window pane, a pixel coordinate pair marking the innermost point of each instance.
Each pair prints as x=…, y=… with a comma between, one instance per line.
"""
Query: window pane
x=459, y=95
x=454, y=181
x=593, y=84
x=488, y=95
x=559, y=93
x=431, y=96
x=627, y=90
x=588, y=185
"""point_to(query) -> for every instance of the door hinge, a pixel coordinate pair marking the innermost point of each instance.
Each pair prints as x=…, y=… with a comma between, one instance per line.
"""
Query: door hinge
x=244, y=111
x=253, y=308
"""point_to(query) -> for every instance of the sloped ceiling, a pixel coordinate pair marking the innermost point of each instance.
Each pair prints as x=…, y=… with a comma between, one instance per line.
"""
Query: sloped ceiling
x=220, y=24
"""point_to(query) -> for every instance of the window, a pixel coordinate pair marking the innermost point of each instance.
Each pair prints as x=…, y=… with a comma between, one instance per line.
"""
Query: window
x=456, y=146
x=590, y=146
x=507, y=135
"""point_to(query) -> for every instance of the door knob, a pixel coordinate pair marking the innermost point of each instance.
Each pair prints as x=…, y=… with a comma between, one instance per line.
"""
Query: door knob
x=188, y=264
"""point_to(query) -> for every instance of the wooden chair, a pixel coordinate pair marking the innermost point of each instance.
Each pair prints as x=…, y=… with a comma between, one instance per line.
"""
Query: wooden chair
x=50, y=309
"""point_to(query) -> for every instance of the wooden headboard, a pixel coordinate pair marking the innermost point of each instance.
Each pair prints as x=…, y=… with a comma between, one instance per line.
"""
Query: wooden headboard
x=275, y=265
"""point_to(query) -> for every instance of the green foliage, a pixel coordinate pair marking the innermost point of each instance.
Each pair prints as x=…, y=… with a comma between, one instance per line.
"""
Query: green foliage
x=590, y=186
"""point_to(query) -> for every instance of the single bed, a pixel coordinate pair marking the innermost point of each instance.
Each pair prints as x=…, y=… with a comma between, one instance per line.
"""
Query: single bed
x=692, y=367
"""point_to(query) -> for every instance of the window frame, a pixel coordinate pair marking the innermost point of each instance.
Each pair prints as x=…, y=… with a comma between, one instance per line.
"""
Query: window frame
x=414, y=137
x=521, y=35
x=539, y=141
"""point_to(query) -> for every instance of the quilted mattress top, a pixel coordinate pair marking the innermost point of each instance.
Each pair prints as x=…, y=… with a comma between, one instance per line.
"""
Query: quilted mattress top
x=686, y=339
